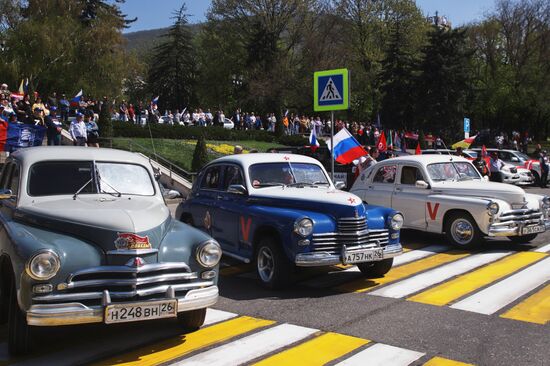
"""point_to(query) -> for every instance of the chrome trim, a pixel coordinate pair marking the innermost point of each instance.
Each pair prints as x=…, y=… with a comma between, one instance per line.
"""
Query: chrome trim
x=77, y=313
x=132, y=282
x=314, y=259
x=28, y=268
x=243, y=259
x=125, y=269
x=121, y=294
x=134, y=252
x=512, y=222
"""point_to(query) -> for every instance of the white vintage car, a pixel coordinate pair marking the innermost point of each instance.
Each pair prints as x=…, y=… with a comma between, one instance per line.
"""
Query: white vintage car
x=446, y=194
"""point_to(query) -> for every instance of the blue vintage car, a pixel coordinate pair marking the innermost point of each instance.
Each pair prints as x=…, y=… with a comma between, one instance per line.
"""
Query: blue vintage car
x=282, y=210
x=86, y=237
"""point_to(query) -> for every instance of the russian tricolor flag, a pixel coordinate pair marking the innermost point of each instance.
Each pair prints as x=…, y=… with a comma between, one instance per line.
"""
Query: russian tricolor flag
x=77, y=97
x=346, y=148
x=313, y=143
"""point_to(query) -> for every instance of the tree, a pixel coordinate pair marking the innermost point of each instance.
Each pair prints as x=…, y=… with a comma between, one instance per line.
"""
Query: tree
x=173, y=69
x=105, y=123
x=200, y=156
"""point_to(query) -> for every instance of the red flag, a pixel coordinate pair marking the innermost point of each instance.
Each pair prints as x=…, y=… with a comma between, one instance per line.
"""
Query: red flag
x=483, y=151
x=382, y=143
x=418, y=151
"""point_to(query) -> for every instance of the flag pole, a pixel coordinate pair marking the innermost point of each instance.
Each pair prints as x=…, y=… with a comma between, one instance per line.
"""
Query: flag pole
x=332, y=145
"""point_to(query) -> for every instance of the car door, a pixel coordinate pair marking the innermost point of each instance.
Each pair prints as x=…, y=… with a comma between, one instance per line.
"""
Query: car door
x=380, y=188
x=232, y=223
x=203, y=202
x=409, y=199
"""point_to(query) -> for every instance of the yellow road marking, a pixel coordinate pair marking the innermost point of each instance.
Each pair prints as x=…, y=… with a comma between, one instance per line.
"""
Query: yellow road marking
x=465, y=284
x=318, y=351
x=403, y=271
x=173, y=348
x=412, y=246
x=535, y=309
x=440, y=361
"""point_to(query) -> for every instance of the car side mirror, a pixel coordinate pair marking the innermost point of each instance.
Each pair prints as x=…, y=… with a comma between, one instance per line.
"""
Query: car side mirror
x=514, y=159
x=485, y=178
x=171, y=194
x=422, y=184
x=339, y=185
x=237, y=189
x=5, y=194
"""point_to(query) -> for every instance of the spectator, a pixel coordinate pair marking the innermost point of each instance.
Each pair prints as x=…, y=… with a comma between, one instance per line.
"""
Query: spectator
x=238, y=149
x=4, y=91
x=543, y=161
x=495, y=166
x=24, y=110
x=92, y=131
x=131, y=113
x=38, y=117
x=481, y=166
x=53, y=132
x=64, y=106
x=38, y=104
x=52, y=100
x=78, y=130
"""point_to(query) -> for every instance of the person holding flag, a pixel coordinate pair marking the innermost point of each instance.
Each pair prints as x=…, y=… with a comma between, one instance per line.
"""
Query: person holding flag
x=313, y=143
x=382, y=144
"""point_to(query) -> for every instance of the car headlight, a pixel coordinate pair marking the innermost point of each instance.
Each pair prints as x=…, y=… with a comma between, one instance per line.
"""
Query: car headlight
x=43, y=265
x=396, y=221
x=546, y=202
x=303, y=227
x=492, y=208
x=209, y=253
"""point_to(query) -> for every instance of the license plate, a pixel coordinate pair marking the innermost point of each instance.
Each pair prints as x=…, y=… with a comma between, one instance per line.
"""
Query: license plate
x=365, y=255
x=122, y=313
x=532, y=229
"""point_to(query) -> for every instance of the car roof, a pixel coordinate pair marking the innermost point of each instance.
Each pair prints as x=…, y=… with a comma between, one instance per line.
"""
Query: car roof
x=425, y=159
x=254, y=158
x=31, y=155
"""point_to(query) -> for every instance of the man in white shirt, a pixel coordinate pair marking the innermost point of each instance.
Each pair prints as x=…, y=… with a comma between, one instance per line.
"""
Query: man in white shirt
x=78, y=130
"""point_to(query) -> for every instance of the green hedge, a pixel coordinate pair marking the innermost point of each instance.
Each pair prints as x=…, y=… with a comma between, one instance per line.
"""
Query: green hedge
x=121, y=129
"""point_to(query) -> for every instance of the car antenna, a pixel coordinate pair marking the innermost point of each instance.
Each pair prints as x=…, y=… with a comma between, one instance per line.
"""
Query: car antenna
x=447, y=149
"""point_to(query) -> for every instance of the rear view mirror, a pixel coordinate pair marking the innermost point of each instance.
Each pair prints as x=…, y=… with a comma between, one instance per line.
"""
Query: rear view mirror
x=421, y=184
x=340, y=185
x=237, y=189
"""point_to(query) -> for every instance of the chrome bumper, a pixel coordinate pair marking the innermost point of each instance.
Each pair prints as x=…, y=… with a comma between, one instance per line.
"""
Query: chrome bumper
x=511, y=229
x=316, y=259
x=77, y=313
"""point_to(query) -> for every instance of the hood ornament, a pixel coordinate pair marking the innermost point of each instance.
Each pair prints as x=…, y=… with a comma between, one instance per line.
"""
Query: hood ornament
x=136, y=262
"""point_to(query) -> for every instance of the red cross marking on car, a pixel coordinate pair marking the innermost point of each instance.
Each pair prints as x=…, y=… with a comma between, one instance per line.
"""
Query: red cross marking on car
x=286, y=158
x=351, y=200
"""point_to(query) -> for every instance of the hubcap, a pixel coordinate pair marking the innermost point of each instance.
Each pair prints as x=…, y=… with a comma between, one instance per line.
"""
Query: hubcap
x=462, y=231
x=265, y=264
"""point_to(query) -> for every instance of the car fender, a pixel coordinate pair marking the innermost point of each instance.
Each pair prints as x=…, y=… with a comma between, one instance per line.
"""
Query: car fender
x=439, y=205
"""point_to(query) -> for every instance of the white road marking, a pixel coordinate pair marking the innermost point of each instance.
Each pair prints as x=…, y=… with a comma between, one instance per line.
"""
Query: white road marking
x=497, y=296
x=216, y=316
x=543, y=249
x=424, y=280
x=382, y=355
x=248, y=348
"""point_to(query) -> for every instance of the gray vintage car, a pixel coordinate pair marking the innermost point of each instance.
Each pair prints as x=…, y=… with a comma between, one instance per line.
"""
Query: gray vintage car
x=86, y=237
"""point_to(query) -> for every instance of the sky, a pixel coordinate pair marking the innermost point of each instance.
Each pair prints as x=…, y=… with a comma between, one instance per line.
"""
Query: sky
x=154, y=14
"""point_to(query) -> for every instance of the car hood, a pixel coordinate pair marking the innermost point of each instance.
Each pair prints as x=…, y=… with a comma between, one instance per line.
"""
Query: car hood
x=477, y=188
x=313, y=199
x=112, y=224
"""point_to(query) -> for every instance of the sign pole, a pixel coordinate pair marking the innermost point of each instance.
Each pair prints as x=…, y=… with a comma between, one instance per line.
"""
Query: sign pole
x=332, y=144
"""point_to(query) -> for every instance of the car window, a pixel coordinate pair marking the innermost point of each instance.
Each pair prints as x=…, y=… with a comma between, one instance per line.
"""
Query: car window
x=123, y=178
x=14, y=182
x=233, y=175
x=272, y=174
x=410, y=174
x=503, y=155
x=452, y=171
x=60, y=177
x=211, y=178
x=385, y=174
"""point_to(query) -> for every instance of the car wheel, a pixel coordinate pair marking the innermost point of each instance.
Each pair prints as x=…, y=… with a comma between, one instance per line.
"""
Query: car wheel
x=18, y=329
x=272, y=265
x=462, y=231
x=375, y=269
x=522, y=239
x=193, y=319
x=4, y=299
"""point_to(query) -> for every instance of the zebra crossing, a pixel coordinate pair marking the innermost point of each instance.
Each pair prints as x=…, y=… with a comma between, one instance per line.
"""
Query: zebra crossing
x=513, y=285
x=229, y=339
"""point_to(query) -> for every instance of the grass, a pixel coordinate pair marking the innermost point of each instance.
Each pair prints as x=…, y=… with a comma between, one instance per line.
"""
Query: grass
x=180, y=152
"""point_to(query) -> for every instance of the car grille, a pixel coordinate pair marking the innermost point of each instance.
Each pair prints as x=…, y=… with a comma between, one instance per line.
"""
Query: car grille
x=520, y=216
x=125, y=283
x=353, y=233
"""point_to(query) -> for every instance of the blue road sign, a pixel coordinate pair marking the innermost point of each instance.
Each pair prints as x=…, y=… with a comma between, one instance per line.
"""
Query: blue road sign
x=331, y=90
x=467, y=125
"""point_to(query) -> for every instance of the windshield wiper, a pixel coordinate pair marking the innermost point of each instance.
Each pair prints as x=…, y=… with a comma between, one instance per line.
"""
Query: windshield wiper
x=261, y=185
x=81, y=188
x=99, y=179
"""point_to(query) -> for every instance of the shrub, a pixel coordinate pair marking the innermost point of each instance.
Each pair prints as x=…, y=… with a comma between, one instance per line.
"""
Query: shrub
x=200, y=155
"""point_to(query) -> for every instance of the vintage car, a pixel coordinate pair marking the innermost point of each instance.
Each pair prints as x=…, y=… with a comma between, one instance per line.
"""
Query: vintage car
x=282, y=210
x=446, y=194
x=87, y=238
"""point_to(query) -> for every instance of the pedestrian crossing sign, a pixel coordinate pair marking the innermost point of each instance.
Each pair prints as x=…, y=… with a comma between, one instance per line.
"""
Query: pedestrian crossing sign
x=331, y=90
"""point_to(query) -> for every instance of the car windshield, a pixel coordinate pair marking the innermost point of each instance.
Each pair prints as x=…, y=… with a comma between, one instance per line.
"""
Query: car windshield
x=273, y=174
x=452, y=171
x=69, y=177
x=522, y=156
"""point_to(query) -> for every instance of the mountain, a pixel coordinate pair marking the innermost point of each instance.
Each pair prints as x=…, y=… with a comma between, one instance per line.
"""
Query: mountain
x=144, y=41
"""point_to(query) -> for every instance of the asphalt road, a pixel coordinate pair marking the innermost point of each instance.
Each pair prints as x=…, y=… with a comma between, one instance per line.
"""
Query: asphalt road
x=438, y=306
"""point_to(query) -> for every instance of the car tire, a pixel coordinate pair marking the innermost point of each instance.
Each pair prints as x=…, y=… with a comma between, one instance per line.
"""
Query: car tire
x=272, y=265
x=462, y=231
x=375, y=269
x=4, y=299
x=19, y=332
x=522, y=239
x=192, y=320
